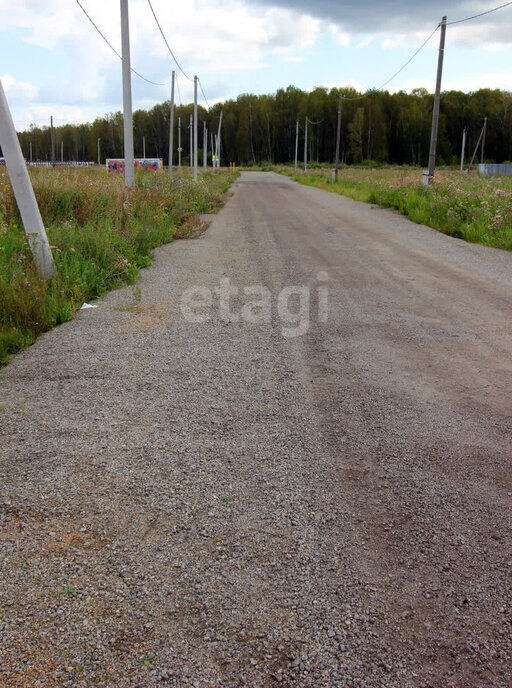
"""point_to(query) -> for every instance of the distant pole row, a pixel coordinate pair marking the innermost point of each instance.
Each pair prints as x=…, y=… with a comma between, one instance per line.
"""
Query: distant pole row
x=128, y=117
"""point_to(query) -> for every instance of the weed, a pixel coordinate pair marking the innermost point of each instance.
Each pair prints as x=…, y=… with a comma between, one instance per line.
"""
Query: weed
x=147, y=660
x=68, y=590
x=470, y=207
x=101, y=234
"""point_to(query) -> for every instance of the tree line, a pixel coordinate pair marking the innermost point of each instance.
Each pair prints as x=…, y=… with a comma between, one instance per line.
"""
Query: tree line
x=382, y=127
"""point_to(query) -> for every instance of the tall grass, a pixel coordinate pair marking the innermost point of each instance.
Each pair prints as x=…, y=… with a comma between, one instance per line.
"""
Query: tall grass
x=471, y=207
x=101, y=235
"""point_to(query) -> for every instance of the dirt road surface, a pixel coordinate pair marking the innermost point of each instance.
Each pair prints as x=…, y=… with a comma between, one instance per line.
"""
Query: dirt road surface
x=263, y=499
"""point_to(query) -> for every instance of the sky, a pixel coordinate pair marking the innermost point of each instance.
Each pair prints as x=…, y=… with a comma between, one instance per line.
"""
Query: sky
x=53, y=61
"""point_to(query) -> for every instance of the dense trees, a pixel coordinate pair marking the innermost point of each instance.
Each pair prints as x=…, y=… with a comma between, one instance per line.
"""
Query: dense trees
x=384, y=127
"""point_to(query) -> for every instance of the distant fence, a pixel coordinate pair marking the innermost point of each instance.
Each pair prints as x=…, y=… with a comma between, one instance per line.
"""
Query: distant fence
x=72, y=163
x=495, y=169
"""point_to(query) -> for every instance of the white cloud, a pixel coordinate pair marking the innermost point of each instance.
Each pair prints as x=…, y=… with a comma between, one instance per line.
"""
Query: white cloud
x=499, y=80
x=348, y=83
x=294, y=59
x=340, y=37
x=364, y=43
x=19, y=91
x=208, y=38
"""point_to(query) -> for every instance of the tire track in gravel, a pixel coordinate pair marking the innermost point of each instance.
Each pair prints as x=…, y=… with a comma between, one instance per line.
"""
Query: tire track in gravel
x=233, y=508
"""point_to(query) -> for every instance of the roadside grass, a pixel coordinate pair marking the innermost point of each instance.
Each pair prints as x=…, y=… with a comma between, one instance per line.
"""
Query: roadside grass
x=475, y=208
x=101, y=235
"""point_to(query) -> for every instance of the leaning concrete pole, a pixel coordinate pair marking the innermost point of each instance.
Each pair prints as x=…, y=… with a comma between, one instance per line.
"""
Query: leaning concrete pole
x=171, y=130
x=437, y=98
x=129, y=174
x=23, y=191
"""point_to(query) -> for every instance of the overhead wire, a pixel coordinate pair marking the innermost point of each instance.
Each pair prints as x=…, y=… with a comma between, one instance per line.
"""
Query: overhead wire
x=167, y=44
x=458, y=21
x=406, y=64
x=141, y=76
x=204, y=96
x=476, y=16
x=178, y=87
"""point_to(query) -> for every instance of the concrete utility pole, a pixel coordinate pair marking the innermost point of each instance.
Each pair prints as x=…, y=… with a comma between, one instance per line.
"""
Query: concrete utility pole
x=30, y=154
x=171, y=129
x=296, y=143
x=52, y=142
x=129, y=166
x=463, y=150
x=99, y=156
x=213, y=151
x=195, y=129
x=62, y=151
x=205, y=146
x=476, y=151
x=191, y=145
x=179, y=143
x=338, y=139
x=483, y=141
x=218, y=139
x=306, y=146
x=144, y=147
x=23, y=191
x=437, y=98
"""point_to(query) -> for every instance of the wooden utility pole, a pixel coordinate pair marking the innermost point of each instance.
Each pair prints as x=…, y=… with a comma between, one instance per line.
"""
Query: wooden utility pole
x=171, y=126
x=195, y=130
x=463, y=150
x=129, y=165
x=296, y=143
x=52, y=142
x=483, y=141
x=306, y=146
x=437, y=98
x=62, y=151
x=23, y=191
x=338, y=139
x=30, y=147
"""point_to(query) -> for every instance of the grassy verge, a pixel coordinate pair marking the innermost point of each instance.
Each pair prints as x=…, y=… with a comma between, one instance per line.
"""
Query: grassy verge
x=470, y=207
x=101, y=235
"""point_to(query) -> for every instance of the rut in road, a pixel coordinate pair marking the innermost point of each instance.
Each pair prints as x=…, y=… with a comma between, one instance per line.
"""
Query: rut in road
x=213, y=503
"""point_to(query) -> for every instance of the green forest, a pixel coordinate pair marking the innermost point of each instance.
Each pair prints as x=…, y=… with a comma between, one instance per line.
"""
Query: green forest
x=380, y=127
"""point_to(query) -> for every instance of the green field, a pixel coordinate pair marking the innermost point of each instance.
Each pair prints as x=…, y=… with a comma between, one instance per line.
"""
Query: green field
x=470, y=207
x=101, y=235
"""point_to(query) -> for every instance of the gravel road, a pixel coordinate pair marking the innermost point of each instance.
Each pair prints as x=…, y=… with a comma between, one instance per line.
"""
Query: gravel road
x=262, y=499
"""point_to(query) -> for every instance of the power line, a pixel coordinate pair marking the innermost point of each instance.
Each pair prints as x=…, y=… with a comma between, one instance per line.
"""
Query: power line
x=205, y=98
x=482, y=14
x=114, y=50
x=365, y=95
x=167, y=44
x=178, y=87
